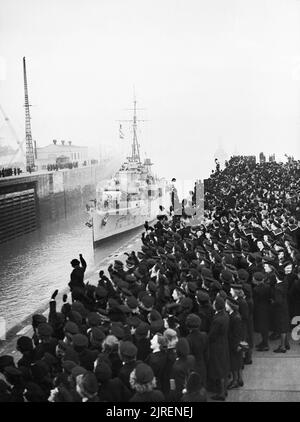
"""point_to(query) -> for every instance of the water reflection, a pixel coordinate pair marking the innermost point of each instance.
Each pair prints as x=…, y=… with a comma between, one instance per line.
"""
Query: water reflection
x=32, y=266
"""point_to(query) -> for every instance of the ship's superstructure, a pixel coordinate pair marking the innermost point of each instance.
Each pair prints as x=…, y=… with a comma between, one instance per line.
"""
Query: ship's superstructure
x=130, y=198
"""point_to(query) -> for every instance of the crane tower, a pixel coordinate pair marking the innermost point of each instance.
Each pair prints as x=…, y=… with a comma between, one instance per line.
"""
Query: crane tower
x=29, y=146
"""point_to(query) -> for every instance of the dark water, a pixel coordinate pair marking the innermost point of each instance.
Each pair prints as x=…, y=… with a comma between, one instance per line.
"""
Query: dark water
x=33, y=266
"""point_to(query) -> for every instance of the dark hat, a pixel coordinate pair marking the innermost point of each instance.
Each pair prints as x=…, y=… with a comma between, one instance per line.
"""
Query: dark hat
x=94, y=319
x=219, y=303
x=258, y=276
x=226, y=277
x=157, y=326
x=143, y=373
x=79, y=340
x=128, y=349
x=193, y=321
x=124, y=309
x=142, y=330
x=152, y=286
x=38, y=319
x=154, y=315
x=147, y=301
x=202, y=296
x=133, y=321
x=192, y=286
x=182, y=347
x=118, y=263
x=24, y=344
x=103, y=372
x=117, y=331
x=243, y=275
x=194, y=383
x=68, y=365
x=44, y=329
x=96, y=336
x=71, y=328
x=186, y=303
x=113, y=303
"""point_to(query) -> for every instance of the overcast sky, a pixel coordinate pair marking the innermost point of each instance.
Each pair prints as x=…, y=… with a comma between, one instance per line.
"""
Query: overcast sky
x=208, y=72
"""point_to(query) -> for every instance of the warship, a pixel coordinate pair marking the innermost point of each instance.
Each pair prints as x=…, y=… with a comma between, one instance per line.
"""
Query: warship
x=131, y=197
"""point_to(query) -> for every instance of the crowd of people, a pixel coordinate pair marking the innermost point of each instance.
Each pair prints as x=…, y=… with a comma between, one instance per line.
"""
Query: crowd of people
x=60, y=166
x=175, y=322
x=10, y=171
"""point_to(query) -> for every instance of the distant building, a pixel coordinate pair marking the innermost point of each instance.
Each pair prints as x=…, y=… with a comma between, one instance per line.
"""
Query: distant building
x=262, y=158
x=62, y=153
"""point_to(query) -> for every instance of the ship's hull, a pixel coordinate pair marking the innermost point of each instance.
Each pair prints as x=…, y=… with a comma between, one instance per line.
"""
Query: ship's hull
x=108, y=224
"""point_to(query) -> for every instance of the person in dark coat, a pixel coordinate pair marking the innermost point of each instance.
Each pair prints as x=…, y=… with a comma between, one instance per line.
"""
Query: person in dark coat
x=142, y=380
x=237, y=293
x=110, y=389
x=157, y=360
x=25, y=346
x=77, y=275
x=294, y=295
x=110, y=354
x=184, y=364
x=250, y=327
x=172, y=338
x=261, y=309
x=47, y=344
x=142, y=341
x=235, y=336
x=86, y=356
x=198, y=342
x=205, y=310
x=127, y=352
x=219, y=361
x=281, y=311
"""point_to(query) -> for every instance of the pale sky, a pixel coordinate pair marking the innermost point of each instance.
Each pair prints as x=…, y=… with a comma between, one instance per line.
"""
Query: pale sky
x=207, y=72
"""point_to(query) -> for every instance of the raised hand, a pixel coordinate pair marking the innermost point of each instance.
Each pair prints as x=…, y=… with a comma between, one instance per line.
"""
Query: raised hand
x=54, y=294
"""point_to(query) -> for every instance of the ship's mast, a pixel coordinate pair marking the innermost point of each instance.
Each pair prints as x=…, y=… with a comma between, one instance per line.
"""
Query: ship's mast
x=135, y=156
x=135, y=148
x=29, y=145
